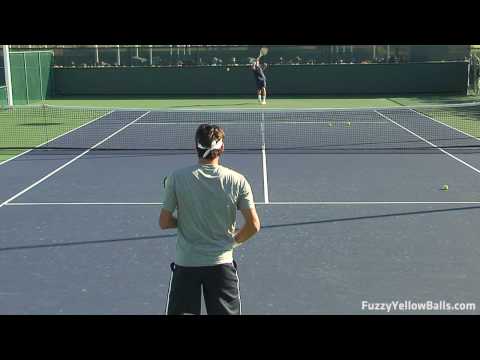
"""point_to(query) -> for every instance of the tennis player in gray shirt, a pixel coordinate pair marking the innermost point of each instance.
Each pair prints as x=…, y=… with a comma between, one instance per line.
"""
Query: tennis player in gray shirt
x=206, y=197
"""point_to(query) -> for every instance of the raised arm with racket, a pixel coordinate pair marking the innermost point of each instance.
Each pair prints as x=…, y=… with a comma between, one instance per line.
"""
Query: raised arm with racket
x=263, y=52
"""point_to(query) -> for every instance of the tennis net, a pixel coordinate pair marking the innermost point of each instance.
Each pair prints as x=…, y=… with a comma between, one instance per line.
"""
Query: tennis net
x=396, y=129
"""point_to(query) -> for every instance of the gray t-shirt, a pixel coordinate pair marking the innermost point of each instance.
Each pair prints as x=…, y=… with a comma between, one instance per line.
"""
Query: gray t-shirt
x=206, y=198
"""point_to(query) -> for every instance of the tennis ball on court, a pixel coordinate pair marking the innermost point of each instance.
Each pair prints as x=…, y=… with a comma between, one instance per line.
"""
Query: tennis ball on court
x=445, y=187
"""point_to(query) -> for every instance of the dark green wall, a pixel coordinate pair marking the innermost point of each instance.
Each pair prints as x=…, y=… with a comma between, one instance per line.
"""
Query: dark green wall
x=346, y=79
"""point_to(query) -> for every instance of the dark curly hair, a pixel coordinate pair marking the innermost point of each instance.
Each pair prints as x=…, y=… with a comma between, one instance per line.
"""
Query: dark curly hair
x=204, y=136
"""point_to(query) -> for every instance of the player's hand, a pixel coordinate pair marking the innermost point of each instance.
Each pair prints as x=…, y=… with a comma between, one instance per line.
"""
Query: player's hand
x=235, y=243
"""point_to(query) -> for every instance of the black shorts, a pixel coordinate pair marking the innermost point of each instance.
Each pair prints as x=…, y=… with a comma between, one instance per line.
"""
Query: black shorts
x=261, y=84
x=220, y=285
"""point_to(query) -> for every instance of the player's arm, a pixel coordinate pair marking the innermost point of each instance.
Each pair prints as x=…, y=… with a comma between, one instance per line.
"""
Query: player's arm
x=246, y=205
x=167, y=220
x=250, y=228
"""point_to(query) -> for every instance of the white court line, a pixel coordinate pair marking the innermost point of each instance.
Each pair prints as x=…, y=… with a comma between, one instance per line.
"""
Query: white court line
x=300, y=203
x=264, y=162
x=277, y=122
x=68, y=163
x=79, y=203
x=271, y=110
x=441, y=123
x=55, y=138
x=431, y=144
x=371, y=202
x=262, y=108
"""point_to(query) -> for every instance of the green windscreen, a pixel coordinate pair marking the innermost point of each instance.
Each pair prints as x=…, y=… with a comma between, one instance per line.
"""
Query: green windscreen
x=33, y=76
x=46, y=73
x=30, y=73
x=19, y=79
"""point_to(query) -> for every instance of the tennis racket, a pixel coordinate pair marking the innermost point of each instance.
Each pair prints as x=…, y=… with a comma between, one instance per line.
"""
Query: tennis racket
x=263, y=52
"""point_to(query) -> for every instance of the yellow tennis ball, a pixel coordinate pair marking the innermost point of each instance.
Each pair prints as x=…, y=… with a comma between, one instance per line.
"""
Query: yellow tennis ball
x=445, y=187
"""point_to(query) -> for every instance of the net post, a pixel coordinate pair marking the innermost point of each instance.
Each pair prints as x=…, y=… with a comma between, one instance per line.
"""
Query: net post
x=151, y=54
x=8, y=75
x=43, y=111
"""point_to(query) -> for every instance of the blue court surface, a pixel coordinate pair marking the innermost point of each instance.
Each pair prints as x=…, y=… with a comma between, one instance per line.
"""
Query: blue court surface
x=79, y=228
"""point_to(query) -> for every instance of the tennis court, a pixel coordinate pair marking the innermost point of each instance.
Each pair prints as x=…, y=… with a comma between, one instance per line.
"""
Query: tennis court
x=351, y=204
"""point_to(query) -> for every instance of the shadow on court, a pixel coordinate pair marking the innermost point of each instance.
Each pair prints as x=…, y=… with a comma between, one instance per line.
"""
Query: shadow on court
x=75, y=243
x=371, y=217
x=152, y=237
